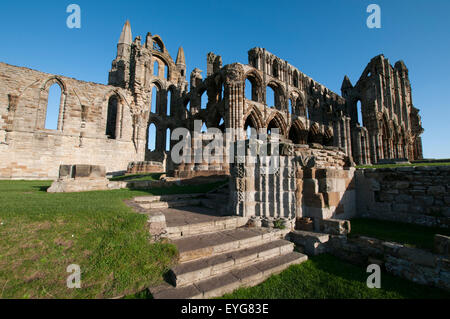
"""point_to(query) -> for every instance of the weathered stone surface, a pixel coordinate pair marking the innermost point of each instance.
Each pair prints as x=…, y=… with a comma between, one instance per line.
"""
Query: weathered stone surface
x=312, y=243
x=442, y=245
x=421, y=195
x=413, y=264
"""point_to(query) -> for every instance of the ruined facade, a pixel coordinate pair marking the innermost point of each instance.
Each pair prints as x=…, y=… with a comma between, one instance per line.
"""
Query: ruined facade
x=148, y=96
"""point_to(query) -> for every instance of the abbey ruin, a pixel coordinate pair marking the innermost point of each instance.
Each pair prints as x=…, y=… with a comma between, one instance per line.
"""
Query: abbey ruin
x=109, y=124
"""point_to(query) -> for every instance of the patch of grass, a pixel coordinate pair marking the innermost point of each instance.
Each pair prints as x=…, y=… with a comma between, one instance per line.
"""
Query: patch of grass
x=278, y=224
x=137, y=177
x=409, y=234
x=326, y=277
x=402, y=165
x=42, y=234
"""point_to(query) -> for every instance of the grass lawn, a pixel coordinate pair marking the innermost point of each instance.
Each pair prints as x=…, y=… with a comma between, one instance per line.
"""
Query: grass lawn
x=402, y=165
x=326, y=277
x=409, y=234
x=42, y=234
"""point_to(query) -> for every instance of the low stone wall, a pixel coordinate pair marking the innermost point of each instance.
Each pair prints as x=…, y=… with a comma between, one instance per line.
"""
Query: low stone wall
x=419, y=195
x=417, y=265
x=145, y=167
x=80, y=178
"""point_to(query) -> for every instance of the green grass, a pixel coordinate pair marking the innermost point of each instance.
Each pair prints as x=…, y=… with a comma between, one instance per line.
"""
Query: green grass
x=42, y=234
x=326, y=277
x=402, y=165
x=137, y=177
x=409, y=234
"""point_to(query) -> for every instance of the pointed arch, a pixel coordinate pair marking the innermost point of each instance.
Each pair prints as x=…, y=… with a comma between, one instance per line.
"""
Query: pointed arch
x=328, y=138
x=151, y=136
x=277, y=121
x=278, y=95
x=170, y=100
x=53, y=107
x=52, y=104
x=158, y=44
x=295, y=78
x=155, y=98
x=254, y=119
x=253, y=86
x=314, y=135
x=298, y=133
x=156, y=68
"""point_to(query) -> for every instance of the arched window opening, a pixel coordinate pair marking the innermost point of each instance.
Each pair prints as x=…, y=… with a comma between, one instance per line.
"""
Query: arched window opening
x=156, y=68
x=300, y=108
x=359, y=113
x=270, y=97
x=298, y=135
x=248, y=90
x=169, y=102
x=155, y=99
x=151, y=138
x=222, y=125
x=328, y=138
x=53, y=107
x=168, y=140
x=290, y=106
x=166, y=72
x=249, y=127
x=204, y=100
x=295, y=79
x=220, y=95
x=272, y=127
x=111, y=118
x=314, y=135
x=204, y=128
x=188, y=106
x=275, y=69
x=157, y=45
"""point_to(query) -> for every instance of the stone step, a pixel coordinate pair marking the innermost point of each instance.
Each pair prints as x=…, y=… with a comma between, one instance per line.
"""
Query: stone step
x=222, y=198
x=164, y=198
x=207, y=227
x=209, y=245
x=191, y=272
x=171, y=203
x=220, y=207
x=246, y=277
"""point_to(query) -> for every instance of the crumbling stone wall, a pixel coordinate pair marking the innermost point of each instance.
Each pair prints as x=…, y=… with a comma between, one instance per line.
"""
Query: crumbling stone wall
x=309, y=181
x=417, y=265
x=110, y=124
x=417, y=195
x=28, y=150
x=390, y=126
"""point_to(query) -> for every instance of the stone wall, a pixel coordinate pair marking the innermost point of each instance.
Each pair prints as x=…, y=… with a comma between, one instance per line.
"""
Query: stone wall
x=29, y=151
x=310, y=181
x=417, y=265
x=419, y=195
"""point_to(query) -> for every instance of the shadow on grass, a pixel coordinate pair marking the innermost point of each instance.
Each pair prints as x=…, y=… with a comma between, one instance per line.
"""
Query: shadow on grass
x=403, y=233
x=41, y=188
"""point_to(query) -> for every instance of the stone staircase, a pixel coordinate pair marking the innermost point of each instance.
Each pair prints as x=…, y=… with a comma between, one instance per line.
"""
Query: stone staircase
x=217, y=253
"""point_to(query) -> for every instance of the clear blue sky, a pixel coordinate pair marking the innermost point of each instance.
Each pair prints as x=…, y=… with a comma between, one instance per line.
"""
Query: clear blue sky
x=324, y=39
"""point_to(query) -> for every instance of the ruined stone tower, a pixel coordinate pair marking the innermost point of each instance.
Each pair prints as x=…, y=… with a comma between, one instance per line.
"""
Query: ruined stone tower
x=148, y=96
